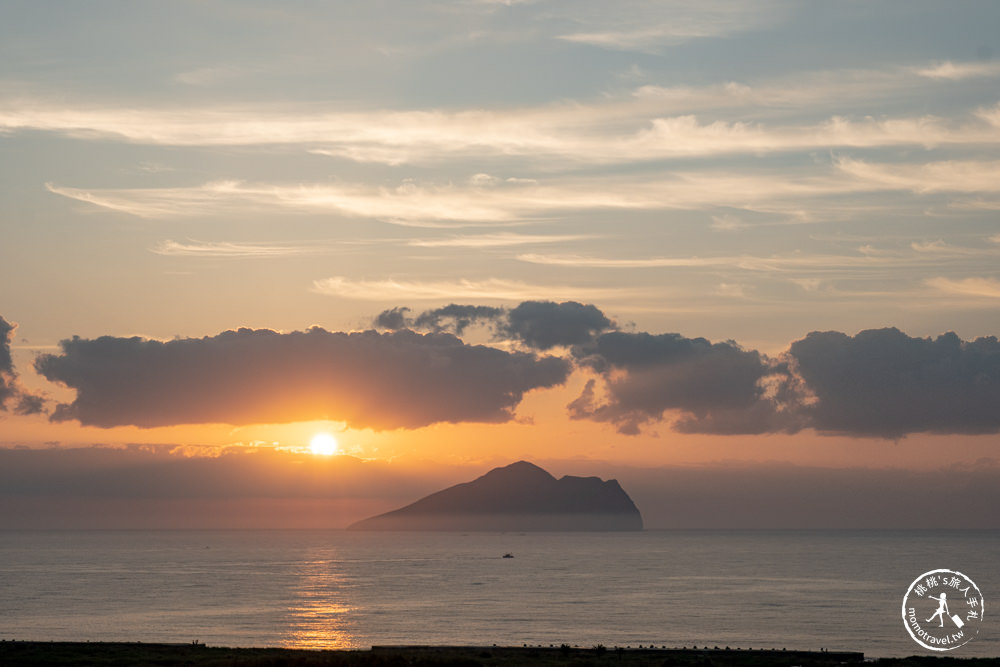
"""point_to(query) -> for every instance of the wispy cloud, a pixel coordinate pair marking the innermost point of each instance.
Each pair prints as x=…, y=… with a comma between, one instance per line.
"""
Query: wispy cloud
x=491, y=289
x=793, y=92
x=153, y=202
x=946, y=176
x=651, y=26
x=777, y=264
x=237, y=250
x=496, y=240
x=863, y=258
x=977, y=287
x=580, y=261
x=960, y=70
x=975, y=204
x=448, y=204
x=214, y=75
x=654, y=123
x=408, y=203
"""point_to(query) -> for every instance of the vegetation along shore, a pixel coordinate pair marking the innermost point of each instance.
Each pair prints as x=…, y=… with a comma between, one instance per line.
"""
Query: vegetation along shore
x=114, y=653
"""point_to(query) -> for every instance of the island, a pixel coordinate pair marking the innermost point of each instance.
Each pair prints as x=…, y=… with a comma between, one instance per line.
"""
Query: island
x=517, y=497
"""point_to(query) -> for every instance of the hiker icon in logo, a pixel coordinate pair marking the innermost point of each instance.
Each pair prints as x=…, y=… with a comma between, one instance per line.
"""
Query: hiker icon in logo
x=931, y=593
x=942, y=610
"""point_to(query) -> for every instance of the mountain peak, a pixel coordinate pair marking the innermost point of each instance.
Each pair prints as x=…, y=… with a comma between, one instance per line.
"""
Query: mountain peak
x=518, y=496
x=519, y=471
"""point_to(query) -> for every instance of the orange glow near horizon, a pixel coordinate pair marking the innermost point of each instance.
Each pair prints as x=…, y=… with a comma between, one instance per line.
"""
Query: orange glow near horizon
x=541, y=431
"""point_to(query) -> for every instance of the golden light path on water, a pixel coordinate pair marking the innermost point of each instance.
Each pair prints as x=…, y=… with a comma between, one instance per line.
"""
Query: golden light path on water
x=317, y=620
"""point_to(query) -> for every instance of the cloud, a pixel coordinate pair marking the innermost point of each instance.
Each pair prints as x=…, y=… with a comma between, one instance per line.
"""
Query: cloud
x=856, y=260
x=496, y=240
x=707, y=387
x=772, y=496
x=958, y=71
x=490, y=289
x=648, y=27
x=12, y=392
x=580, y=261
x=392, y=319
x=943, y=176
x=205, y=77
x=163, y=486
x=646, y=124
x=886, y=384
x=767, y=189
x=391, y=380
x=540, y=325
x=8, y=377
x=159, y=487
x=798, y=91
x=456, y=318
x=879, y=383
x=408, y=202
x=165, y=471
x=546, y=324
x=236, y=250
x=980, y=287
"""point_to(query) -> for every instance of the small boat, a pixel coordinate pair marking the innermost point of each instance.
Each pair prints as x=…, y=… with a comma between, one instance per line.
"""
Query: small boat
x=508, y=555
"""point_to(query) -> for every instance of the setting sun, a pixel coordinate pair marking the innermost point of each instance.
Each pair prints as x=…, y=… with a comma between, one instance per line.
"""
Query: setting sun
x=323, y=444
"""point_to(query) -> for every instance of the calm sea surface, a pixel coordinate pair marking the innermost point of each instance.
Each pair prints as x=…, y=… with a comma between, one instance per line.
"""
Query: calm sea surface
x=802, y=590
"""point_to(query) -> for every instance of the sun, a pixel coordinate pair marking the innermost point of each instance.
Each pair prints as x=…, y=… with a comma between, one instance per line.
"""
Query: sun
x=323, y=444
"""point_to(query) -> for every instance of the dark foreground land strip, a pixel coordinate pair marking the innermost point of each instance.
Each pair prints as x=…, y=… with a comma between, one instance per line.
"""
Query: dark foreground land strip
x=16, y=653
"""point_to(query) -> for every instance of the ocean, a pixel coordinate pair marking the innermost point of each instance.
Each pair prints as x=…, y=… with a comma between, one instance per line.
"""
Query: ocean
x=838, y=590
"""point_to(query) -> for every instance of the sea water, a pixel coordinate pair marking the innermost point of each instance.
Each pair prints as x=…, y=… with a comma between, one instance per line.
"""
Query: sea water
x=336, y=589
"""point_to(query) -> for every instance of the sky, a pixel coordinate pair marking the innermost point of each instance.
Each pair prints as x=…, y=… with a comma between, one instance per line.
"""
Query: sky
x=698, y=246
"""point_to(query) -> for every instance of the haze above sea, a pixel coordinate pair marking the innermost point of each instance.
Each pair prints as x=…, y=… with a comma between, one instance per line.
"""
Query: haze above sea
x=337, y=589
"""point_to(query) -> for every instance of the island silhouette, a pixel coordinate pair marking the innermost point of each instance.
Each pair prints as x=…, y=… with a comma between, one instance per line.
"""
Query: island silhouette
x=517, y=497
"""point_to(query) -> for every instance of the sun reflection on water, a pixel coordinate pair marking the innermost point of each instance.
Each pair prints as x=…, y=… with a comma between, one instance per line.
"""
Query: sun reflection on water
x=318, y=617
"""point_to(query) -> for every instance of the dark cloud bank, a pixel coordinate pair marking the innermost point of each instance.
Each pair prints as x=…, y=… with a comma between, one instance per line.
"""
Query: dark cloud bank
x=143, y=486
x=415, y=370
x=400, y=379
x=11, y=392
x=155, y=487
x=880, y=383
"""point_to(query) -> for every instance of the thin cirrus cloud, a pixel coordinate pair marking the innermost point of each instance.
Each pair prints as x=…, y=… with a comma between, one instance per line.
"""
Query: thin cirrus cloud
x=917, y=255
x=962, y=176
x=988, y=288
x=786, y=94
x=492, y=289
x=449, y=204
x=497, y=240
x=236, y=250
x=409, y=203
x=230, y=249
x=541, y=136
x=649, y=123
x=960, y=70
x=648, y=28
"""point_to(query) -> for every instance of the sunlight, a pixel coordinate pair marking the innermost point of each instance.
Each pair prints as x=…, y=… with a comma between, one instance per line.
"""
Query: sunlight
x=323, y=444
